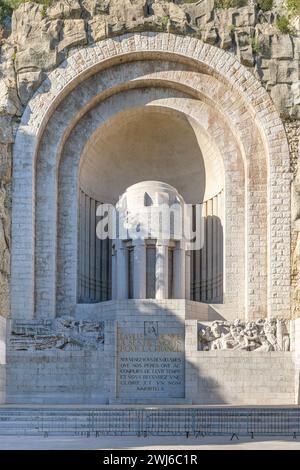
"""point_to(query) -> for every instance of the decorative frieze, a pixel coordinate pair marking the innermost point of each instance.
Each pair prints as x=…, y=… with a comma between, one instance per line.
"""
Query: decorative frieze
x=262, y=335
x=65, y=333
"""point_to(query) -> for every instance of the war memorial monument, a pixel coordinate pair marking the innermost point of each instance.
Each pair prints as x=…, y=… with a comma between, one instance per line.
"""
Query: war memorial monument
x=142, y=112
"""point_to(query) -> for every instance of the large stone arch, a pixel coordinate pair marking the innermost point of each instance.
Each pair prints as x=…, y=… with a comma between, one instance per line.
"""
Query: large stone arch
x=234, y=225
x=68, y=175
x=240, y=99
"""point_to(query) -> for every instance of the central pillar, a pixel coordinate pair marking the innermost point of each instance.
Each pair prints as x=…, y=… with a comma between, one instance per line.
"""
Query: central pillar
x=139, y=269
x=120, y=269
x=161, y=270
x=188, y=275
x=179, y=271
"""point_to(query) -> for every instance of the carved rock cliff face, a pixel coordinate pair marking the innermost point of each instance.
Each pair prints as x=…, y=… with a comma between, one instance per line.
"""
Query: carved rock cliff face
x=41, y=38
x=4, y=252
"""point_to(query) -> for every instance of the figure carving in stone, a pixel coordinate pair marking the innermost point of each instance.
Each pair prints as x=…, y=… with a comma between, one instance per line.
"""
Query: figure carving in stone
x=65, y=333
x=261, y=335
x=270, y=333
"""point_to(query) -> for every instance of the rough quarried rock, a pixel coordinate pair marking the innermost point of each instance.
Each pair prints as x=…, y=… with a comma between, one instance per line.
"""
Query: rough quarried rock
x=262, y=335
x=49, y=35
x=4, y=246
x=65, y=10
x=9, y=100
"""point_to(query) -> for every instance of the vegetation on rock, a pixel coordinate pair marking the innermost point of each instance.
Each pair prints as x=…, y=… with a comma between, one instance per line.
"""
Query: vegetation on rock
x=283, y=24
x=256, y=46
x=223, y=4
x=5, y=9
x=7, y=6
x=293, y=6
x=265, y=5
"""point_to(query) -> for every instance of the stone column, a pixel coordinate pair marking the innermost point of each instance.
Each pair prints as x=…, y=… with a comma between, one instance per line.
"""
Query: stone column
x=120, y=272
x=114, y=272
x=139, y=269
x=188, y=275
x=161, y=270
x=179, y=271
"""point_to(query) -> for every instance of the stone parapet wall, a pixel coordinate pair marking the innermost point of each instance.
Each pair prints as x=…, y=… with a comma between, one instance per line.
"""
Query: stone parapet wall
x=68, y=374
x=242, y=377
x=236, y=376
x=117, y=309
x=152, y=357
x=57, y=377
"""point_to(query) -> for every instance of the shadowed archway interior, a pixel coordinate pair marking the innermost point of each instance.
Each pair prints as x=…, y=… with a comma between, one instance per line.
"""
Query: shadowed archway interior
x=150, y=143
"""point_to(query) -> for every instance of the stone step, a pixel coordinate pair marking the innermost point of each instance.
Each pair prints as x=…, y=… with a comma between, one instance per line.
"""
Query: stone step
x=163, y=401
x=149, y=420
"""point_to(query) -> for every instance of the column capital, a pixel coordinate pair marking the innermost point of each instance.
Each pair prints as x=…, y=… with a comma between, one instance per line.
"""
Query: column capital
x=119, y=244
x=163, y=243
x=138, y=242
x=180, y=245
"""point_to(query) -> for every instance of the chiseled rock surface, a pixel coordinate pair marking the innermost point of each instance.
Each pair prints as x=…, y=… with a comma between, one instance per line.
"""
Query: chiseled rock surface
x=4, y=242
x=65, y=10
x=42, y=38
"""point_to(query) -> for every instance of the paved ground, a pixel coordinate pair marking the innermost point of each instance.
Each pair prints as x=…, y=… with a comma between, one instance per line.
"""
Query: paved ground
x=154, y=443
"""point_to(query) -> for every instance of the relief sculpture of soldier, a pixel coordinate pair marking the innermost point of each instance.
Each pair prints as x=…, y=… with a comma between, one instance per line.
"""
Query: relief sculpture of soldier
x=261, y=335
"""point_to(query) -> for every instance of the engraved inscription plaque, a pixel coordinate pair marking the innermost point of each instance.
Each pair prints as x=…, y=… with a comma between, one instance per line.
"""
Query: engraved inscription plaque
x=150, y=361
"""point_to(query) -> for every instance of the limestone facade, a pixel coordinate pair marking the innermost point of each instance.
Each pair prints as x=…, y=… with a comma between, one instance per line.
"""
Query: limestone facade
x=273, y=287
x=77, y=98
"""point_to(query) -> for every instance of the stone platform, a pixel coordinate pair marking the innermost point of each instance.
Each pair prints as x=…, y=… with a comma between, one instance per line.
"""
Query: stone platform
x=140, y=352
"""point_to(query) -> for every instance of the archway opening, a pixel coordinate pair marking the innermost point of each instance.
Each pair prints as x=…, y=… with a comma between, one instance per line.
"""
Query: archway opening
x=158, y=144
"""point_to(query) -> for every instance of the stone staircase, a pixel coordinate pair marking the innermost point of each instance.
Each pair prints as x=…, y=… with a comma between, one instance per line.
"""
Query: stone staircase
x=144, y=421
